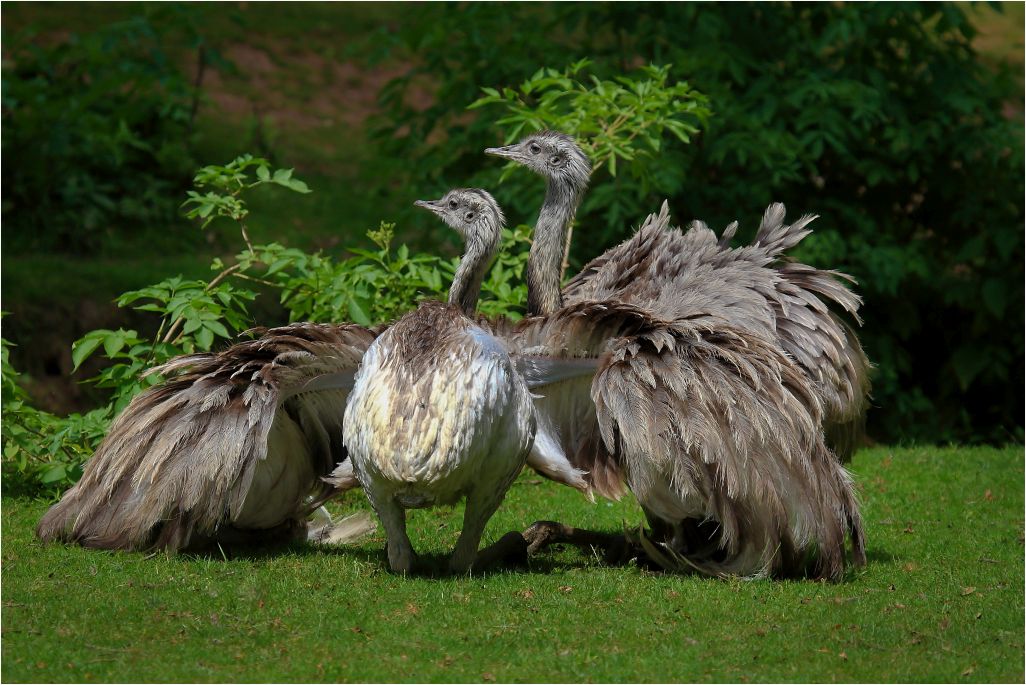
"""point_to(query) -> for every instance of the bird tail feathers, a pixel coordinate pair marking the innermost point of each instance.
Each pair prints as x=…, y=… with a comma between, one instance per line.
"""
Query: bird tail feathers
x=345, y=531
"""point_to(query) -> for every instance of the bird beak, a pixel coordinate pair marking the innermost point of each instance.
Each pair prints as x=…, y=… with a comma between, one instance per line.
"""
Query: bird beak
x=506, y=152
x=431, y=205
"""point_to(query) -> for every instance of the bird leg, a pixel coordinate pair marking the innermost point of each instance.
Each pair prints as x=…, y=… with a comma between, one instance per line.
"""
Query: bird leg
x=615, y=547
x=475, y=516
x=393, y=519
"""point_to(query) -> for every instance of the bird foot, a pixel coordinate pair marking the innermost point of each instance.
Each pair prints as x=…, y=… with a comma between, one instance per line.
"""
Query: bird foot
x=540, y=534
x=544, y=533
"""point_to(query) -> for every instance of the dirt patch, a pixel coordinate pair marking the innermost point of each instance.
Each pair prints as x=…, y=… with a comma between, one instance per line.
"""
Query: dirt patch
x=296, y=88
x=44, y=353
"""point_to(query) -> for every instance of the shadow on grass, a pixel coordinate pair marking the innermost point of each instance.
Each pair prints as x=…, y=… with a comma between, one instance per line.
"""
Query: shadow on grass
x=881, y=556
x=435, y=565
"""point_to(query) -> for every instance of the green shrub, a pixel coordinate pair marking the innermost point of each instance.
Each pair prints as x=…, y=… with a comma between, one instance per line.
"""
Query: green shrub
x=42, y=453
x=878, y=117
x=624, y=124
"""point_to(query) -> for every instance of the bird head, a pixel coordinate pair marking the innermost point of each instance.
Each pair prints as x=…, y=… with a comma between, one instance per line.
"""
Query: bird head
x=551, y=154
x=472, y=212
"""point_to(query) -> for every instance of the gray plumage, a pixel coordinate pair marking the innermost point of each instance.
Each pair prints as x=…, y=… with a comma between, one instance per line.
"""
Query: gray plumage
x=439, y=411
x=566, y=170
x=694, y=273
x=230, y=449
x=701, y=421
x=717, y=369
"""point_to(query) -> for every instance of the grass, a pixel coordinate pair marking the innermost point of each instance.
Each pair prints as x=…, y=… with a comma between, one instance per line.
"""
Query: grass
x=941, y=600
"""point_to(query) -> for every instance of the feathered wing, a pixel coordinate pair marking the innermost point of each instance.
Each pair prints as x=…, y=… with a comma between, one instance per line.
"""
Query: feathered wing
x=704, y=422
x=559, y=356
x=555, y=377
x=233, y=444
x=756, y=288
x=621, y=267
x=822, y=344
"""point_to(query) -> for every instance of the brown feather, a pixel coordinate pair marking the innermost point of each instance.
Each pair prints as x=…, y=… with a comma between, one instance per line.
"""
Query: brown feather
x=186, y=461
x=694, y=275
x=703, y=421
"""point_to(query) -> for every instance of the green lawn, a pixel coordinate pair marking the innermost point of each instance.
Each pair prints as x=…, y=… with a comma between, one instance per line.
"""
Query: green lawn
x=941, y=600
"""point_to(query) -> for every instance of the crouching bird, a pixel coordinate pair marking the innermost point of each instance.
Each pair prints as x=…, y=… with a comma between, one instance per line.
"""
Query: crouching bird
x=231, y=449
x=439, y=410
x=725, y=392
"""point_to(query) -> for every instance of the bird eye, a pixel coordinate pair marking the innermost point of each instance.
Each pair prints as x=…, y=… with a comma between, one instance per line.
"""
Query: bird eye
x=469, y=216
x=453, y=204
x=555, y=160
x=535, y=148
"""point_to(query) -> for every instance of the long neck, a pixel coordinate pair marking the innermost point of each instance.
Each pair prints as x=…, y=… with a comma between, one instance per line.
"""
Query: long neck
x=466, y=284
x=548, y=247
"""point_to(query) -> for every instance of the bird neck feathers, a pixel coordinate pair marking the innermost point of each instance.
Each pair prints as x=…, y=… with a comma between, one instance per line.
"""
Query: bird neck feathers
x=549, y=246
x=466, y=284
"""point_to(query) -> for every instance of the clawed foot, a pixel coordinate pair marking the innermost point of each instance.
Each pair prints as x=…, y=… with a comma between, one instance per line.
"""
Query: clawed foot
x=401, y=559
x=544, y=533
x=541, y=534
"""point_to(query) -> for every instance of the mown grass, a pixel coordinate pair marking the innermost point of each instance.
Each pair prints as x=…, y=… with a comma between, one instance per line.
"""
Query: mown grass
x=941, y=600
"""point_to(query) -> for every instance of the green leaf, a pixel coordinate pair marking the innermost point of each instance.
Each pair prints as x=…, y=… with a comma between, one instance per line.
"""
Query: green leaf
x=81, y=349
x=277, y=266
x=204, y=338
x=218, y=328
x=192, y=324
x=358, y=313
x=55, y=473
x=113, y=344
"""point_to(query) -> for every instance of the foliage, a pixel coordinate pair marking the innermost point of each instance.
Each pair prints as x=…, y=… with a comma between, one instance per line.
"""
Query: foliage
x=941, y=600
x=45, y=453
x=618, y=122
x=100, y=126
x=42, y=452
x=504, y=291
x=373, y=286
x=625, y=123
x=879, y=117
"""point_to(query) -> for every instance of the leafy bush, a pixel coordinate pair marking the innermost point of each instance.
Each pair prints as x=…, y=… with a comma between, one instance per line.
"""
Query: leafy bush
x=879, y=117
x=620, y=122
x=627, y=124
x=100, y=126
x=43, y=453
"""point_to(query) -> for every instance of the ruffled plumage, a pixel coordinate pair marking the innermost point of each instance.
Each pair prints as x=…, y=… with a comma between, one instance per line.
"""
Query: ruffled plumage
x=231, y=447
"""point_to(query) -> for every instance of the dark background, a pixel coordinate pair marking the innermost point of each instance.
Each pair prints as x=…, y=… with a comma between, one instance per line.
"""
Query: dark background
x=900, y=124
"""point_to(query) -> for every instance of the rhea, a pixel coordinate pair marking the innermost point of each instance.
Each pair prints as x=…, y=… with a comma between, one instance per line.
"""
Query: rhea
x=716, y=372
x=232, y=448
x=438, y=411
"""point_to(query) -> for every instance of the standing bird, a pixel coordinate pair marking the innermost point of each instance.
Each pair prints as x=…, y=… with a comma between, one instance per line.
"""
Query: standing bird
x=231, y=449
x=715, y=372
x=439, y=410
